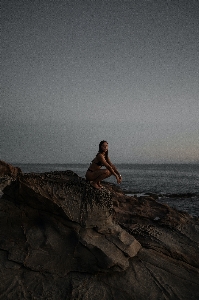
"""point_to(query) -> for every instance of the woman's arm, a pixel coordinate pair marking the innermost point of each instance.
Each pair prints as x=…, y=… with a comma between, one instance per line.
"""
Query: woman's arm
x=113, y=167
x=110, y=167
x=106, y=164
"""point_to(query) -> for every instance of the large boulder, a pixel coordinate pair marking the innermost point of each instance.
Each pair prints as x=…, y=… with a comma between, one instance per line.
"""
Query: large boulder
x=88, y=213
x=9, y=170
x=62, y=239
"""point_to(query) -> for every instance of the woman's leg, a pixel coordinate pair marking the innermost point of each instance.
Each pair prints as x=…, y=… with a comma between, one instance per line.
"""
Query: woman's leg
x=106, y=173
x=97, y=176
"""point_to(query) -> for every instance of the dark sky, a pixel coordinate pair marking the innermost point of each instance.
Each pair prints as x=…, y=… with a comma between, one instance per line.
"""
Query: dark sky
x=78, y=72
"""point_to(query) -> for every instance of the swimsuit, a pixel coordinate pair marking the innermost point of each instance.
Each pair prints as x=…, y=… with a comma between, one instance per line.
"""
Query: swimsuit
x=97, y=163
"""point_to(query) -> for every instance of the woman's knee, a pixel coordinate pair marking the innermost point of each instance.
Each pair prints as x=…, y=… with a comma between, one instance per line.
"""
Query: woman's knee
x=107, y=173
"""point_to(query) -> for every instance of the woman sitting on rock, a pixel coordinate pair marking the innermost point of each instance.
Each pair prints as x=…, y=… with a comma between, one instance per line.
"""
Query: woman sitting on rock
x=95, y=173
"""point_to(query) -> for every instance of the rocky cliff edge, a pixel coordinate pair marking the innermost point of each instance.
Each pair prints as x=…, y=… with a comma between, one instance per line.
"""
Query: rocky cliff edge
x=62, y=239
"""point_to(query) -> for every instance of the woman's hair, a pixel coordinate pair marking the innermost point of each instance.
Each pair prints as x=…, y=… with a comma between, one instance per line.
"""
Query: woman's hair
x=100, y=150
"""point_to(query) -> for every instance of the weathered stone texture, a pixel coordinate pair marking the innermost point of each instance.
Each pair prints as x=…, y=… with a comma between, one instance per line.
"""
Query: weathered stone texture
x=62, y=239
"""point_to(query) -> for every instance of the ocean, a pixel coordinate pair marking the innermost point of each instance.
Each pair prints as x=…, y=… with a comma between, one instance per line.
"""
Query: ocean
x=175, y=184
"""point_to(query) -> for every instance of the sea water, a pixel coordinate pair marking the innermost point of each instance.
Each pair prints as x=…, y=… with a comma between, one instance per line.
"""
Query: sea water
x=176, y=184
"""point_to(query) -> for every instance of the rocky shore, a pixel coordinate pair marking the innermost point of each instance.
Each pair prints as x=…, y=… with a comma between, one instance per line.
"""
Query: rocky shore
x=62, y=239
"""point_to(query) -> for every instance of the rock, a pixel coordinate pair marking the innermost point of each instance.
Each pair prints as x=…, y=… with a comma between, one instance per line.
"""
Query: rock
x=76, y=201
x=9, y=170
x=62, y=239
x=152, y=195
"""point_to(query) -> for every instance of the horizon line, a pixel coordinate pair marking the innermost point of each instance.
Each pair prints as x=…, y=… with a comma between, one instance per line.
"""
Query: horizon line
x=120, y=163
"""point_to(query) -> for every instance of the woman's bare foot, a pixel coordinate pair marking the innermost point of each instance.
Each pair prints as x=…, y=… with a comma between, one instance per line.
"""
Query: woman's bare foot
x=95, y=185
x=101, y=186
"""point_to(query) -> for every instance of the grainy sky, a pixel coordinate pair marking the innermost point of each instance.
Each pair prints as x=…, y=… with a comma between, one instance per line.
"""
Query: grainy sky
x=77, y=72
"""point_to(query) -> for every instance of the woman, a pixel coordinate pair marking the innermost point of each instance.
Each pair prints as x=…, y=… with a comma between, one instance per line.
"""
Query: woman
x=95, y=173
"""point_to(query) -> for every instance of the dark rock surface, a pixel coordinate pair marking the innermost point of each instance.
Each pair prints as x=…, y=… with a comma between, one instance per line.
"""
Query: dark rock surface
x=7, y=170
x=62, y=239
